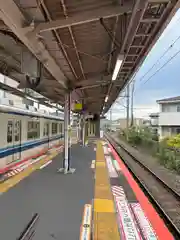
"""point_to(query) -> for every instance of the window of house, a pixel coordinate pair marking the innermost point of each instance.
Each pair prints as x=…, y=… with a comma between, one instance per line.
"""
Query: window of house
x=178, y=130
x=178, y=108
x=163, y=108
x=166, y=108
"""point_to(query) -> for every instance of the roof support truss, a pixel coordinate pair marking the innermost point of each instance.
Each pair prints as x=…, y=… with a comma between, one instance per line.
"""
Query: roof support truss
x=73, y=39
x=82, y=18
x=14, y=19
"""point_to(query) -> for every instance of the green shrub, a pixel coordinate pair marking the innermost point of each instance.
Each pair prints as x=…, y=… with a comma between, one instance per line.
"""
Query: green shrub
x=178, y=165
x=174, y=142
x=167, y=150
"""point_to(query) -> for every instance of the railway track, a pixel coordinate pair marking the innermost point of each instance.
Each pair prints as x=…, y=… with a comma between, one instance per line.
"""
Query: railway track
x=163, y=197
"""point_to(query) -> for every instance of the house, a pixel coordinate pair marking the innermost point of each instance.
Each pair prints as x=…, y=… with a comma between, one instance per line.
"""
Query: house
x=169, y=116
x=105, y=123
x=121, y=123
x=154, y=121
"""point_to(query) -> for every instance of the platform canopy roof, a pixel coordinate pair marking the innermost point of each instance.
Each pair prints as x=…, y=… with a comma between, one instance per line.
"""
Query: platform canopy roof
x=78, y=44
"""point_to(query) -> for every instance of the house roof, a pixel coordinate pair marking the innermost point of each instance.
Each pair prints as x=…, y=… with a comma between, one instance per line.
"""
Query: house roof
x=169, y=100
x=154, y=115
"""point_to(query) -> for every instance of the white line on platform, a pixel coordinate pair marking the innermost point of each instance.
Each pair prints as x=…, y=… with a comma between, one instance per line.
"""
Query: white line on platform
x=44, y=165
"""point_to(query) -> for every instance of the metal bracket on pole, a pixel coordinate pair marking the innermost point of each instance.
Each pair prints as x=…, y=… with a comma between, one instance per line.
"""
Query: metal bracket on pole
x=67, y=143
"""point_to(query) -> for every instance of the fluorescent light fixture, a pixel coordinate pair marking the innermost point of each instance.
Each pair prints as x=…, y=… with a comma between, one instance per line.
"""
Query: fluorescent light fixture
x=117, y=67
x=106, y=99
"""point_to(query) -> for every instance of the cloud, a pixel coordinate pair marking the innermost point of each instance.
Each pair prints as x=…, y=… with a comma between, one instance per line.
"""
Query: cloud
x=143, y=111
x=150, y=96
x=156, y=84
x=140, y=111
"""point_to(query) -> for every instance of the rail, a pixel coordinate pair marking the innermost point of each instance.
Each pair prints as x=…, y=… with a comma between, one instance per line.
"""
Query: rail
x=167, y=203
x=29, y=231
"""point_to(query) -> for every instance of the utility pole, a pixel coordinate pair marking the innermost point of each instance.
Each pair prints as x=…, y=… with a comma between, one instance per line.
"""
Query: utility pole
x=132, y=104
x=110, y=119
x=127, y=108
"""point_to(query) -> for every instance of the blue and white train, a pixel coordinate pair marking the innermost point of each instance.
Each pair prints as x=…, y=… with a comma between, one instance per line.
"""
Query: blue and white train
x=24, y=134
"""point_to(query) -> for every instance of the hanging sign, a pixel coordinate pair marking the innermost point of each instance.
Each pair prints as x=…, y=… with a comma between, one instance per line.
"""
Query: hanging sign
x=78, y=106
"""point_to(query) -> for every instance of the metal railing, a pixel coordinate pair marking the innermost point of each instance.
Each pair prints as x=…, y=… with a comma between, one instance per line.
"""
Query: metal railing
x=29, y=231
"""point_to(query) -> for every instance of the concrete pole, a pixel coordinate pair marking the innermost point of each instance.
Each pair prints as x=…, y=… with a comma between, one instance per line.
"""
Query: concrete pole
x=66, y=161
x=69, y=130
x=132, y=104
x=66, y=137
x=78, y=128
x=110, y=119
x=127, y=108
x=83, y=133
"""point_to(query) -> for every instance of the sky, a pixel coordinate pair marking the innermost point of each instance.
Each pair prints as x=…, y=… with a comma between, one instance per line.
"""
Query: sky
x=157, y=83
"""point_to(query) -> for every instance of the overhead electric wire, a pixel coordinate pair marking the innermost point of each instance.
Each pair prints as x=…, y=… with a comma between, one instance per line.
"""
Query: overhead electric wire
x=167, y=50
x=169, y=60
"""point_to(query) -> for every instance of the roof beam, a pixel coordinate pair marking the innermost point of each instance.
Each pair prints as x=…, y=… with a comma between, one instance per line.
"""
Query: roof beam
x=14, y=19
x=98, y=79
x=73, y=39
x=82, y=18
x=93, y=85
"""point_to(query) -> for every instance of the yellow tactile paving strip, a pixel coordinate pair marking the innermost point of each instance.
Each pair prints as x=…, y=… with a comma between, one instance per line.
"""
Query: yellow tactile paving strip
x=105, y=223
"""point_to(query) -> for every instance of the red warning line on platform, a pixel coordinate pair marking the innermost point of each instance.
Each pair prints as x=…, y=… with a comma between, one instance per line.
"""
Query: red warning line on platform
x=157, y=223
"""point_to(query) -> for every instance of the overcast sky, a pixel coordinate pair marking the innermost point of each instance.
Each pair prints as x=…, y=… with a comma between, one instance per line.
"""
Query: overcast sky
x=164, y=83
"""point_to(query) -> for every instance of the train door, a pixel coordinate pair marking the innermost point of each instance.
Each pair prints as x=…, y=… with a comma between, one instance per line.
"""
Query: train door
x=17, y=139
x=14, y=140
x=60, y=133
x=48, y=135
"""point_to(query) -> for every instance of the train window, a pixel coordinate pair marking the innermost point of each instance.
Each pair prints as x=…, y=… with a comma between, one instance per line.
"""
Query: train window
x=33, y=130
x=38, y=130
x=17, y=131
x=60, y=127
x=9, y=131
x=54, y=128
x=46, y=129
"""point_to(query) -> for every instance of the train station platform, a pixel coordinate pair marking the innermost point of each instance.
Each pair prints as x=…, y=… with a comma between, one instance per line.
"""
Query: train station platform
x=101, y=183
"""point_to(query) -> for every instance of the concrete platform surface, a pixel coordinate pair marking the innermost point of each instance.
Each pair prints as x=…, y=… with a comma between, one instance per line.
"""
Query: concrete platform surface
x=59, y=199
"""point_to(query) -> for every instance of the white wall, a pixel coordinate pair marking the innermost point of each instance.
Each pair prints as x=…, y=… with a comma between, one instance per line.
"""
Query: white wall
x=18, y=101
x=154, y=121
x=169, y=119
x=170, y=114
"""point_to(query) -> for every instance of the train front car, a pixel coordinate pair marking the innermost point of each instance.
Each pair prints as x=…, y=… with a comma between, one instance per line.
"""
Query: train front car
x=26, y=135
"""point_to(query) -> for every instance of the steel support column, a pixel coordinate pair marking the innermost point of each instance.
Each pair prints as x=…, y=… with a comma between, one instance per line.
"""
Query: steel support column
x=83, y=132
x=67, y=143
